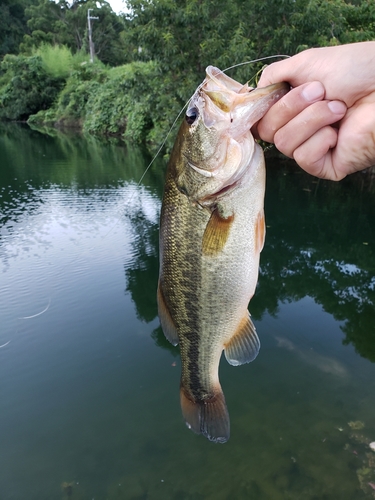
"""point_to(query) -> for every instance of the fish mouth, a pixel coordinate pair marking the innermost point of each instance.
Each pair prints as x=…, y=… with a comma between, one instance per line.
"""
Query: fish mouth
x=243, y=104
x=225, y=109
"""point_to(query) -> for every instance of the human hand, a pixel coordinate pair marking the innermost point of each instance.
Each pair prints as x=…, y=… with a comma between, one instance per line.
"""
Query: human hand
x=327, y=121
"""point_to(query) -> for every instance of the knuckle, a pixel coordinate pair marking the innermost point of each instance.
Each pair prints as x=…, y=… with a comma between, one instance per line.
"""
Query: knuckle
x=301, y=158
x=264, y=130
x=282, y=143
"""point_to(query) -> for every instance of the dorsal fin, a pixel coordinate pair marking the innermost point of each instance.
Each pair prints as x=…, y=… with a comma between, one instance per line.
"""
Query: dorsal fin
x=244, y=346
x=216, y=233
x=166, y=321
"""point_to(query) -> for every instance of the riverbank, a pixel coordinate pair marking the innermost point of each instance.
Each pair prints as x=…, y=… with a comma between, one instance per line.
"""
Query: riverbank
x=116, y=101
x=134, y=101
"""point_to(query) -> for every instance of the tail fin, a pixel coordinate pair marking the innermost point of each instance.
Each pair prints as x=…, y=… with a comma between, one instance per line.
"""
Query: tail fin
x=208, y=417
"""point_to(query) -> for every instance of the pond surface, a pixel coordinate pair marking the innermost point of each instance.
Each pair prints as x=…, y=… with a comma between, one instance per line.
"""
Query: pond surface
x=89, y=387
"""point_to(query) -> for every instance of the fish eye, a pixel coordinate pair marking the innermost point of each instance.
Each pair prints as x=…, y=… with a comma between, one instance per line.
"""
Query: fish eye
x=191, y=115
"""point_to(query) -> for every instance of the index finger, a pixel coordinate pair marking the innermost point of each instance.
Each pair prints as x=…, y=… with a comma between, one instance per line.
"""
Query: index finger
x=289, y=70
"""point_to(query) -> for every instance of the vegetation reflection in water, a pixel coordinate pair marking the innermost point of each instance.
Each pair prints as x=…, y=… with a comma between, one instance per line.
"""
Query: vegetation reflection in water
x=88, y=404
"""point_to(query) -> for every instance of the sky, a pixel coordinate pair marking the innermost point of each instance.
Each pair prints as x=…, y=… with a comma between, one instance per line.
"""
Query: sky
x=117, y=5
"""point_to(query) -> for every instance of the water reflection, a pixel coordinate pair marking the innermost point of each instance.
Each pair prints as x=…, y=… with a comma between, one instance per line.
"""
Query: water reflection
x=142, y=276
x=320, y=243
x=320, y=235
x=88, y=399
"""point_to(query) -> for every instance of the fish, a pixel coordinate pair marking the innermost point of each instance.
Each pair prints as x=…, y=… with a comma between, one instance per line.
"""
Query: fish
x=212, y=231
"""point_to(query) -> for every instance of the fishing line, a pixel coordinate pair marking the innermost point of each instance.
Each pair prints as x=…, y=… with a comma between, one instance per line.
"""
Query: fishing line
x=187, y=102
x=255, y=61
x=180, y=113
x=157, y=153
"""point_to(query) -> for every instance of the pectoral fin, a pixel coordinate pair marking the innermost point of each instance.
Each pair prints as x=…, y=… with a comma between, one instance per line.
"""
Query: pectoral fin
x=216, y=233
x=260, y=232
x=244, y=346
x=166, y=321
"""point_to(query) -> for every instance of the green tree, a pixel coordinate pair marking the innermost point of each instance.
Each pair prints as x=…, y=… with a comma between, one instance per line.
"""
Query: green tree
x=361, y=21
x=185, y=36
x=12, y=25
x=289, y=26
x=27, y=87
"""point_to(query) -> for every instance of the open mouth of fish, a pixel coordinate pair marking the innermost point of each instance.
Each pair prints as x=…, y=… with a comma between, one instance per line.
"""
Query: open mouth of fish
x=229, y=108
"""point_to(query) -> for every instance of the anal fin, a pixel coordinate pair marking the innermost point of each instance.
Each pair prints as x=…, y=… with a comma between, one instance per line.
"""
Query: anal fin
x=166, y=321
x=208, y=417
x=244, y=346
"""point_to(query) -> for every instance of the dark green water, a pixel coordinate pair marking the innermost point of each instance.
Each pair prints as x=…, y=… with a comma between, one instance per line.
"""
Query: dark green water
x=89, y=387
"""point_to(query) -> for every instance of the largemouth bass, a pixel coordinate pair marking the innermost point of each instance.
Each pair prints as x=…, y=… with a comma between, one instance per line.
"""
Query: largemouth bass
x=211, y=234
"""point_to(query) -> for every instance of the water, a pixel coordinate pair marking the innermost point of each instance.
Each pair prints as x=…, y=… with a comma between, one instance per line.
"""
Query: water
x=89, y=387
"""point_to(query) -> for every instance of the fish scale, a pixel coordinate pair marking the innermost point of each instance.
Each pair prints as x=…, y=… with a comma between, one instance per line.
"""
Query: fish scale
x=211, y=235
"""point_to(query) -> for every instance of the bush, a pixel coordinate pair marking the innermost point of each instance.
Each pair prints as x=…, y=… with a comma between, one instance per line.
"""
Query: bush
x=123, y=104
x=43, y=117
x=26, y=87
x=70, y=108
x=57, y=59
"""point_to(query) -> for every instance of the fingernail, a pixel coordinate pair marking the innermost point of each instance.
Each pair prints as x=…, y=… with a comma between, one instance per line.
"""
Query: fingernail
x=337, y=107
x=313, y=92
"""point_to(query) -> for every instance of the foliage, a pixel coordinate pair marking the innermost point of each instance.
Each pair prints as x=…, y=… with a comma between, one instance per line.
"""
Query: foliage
x=361, y=22
x=166, y=46
x=124, y=102
x=43, y=117
x=185, y=36
x=57, y=60
x=114, y=101
x=26, y=87
x=12, y=25
x=226, y=33
x=70, y=106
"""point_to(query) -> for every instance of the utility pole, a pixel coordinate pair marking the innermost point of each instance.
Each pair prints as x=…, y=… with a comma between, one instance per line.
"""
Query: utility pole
x=90, y=34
